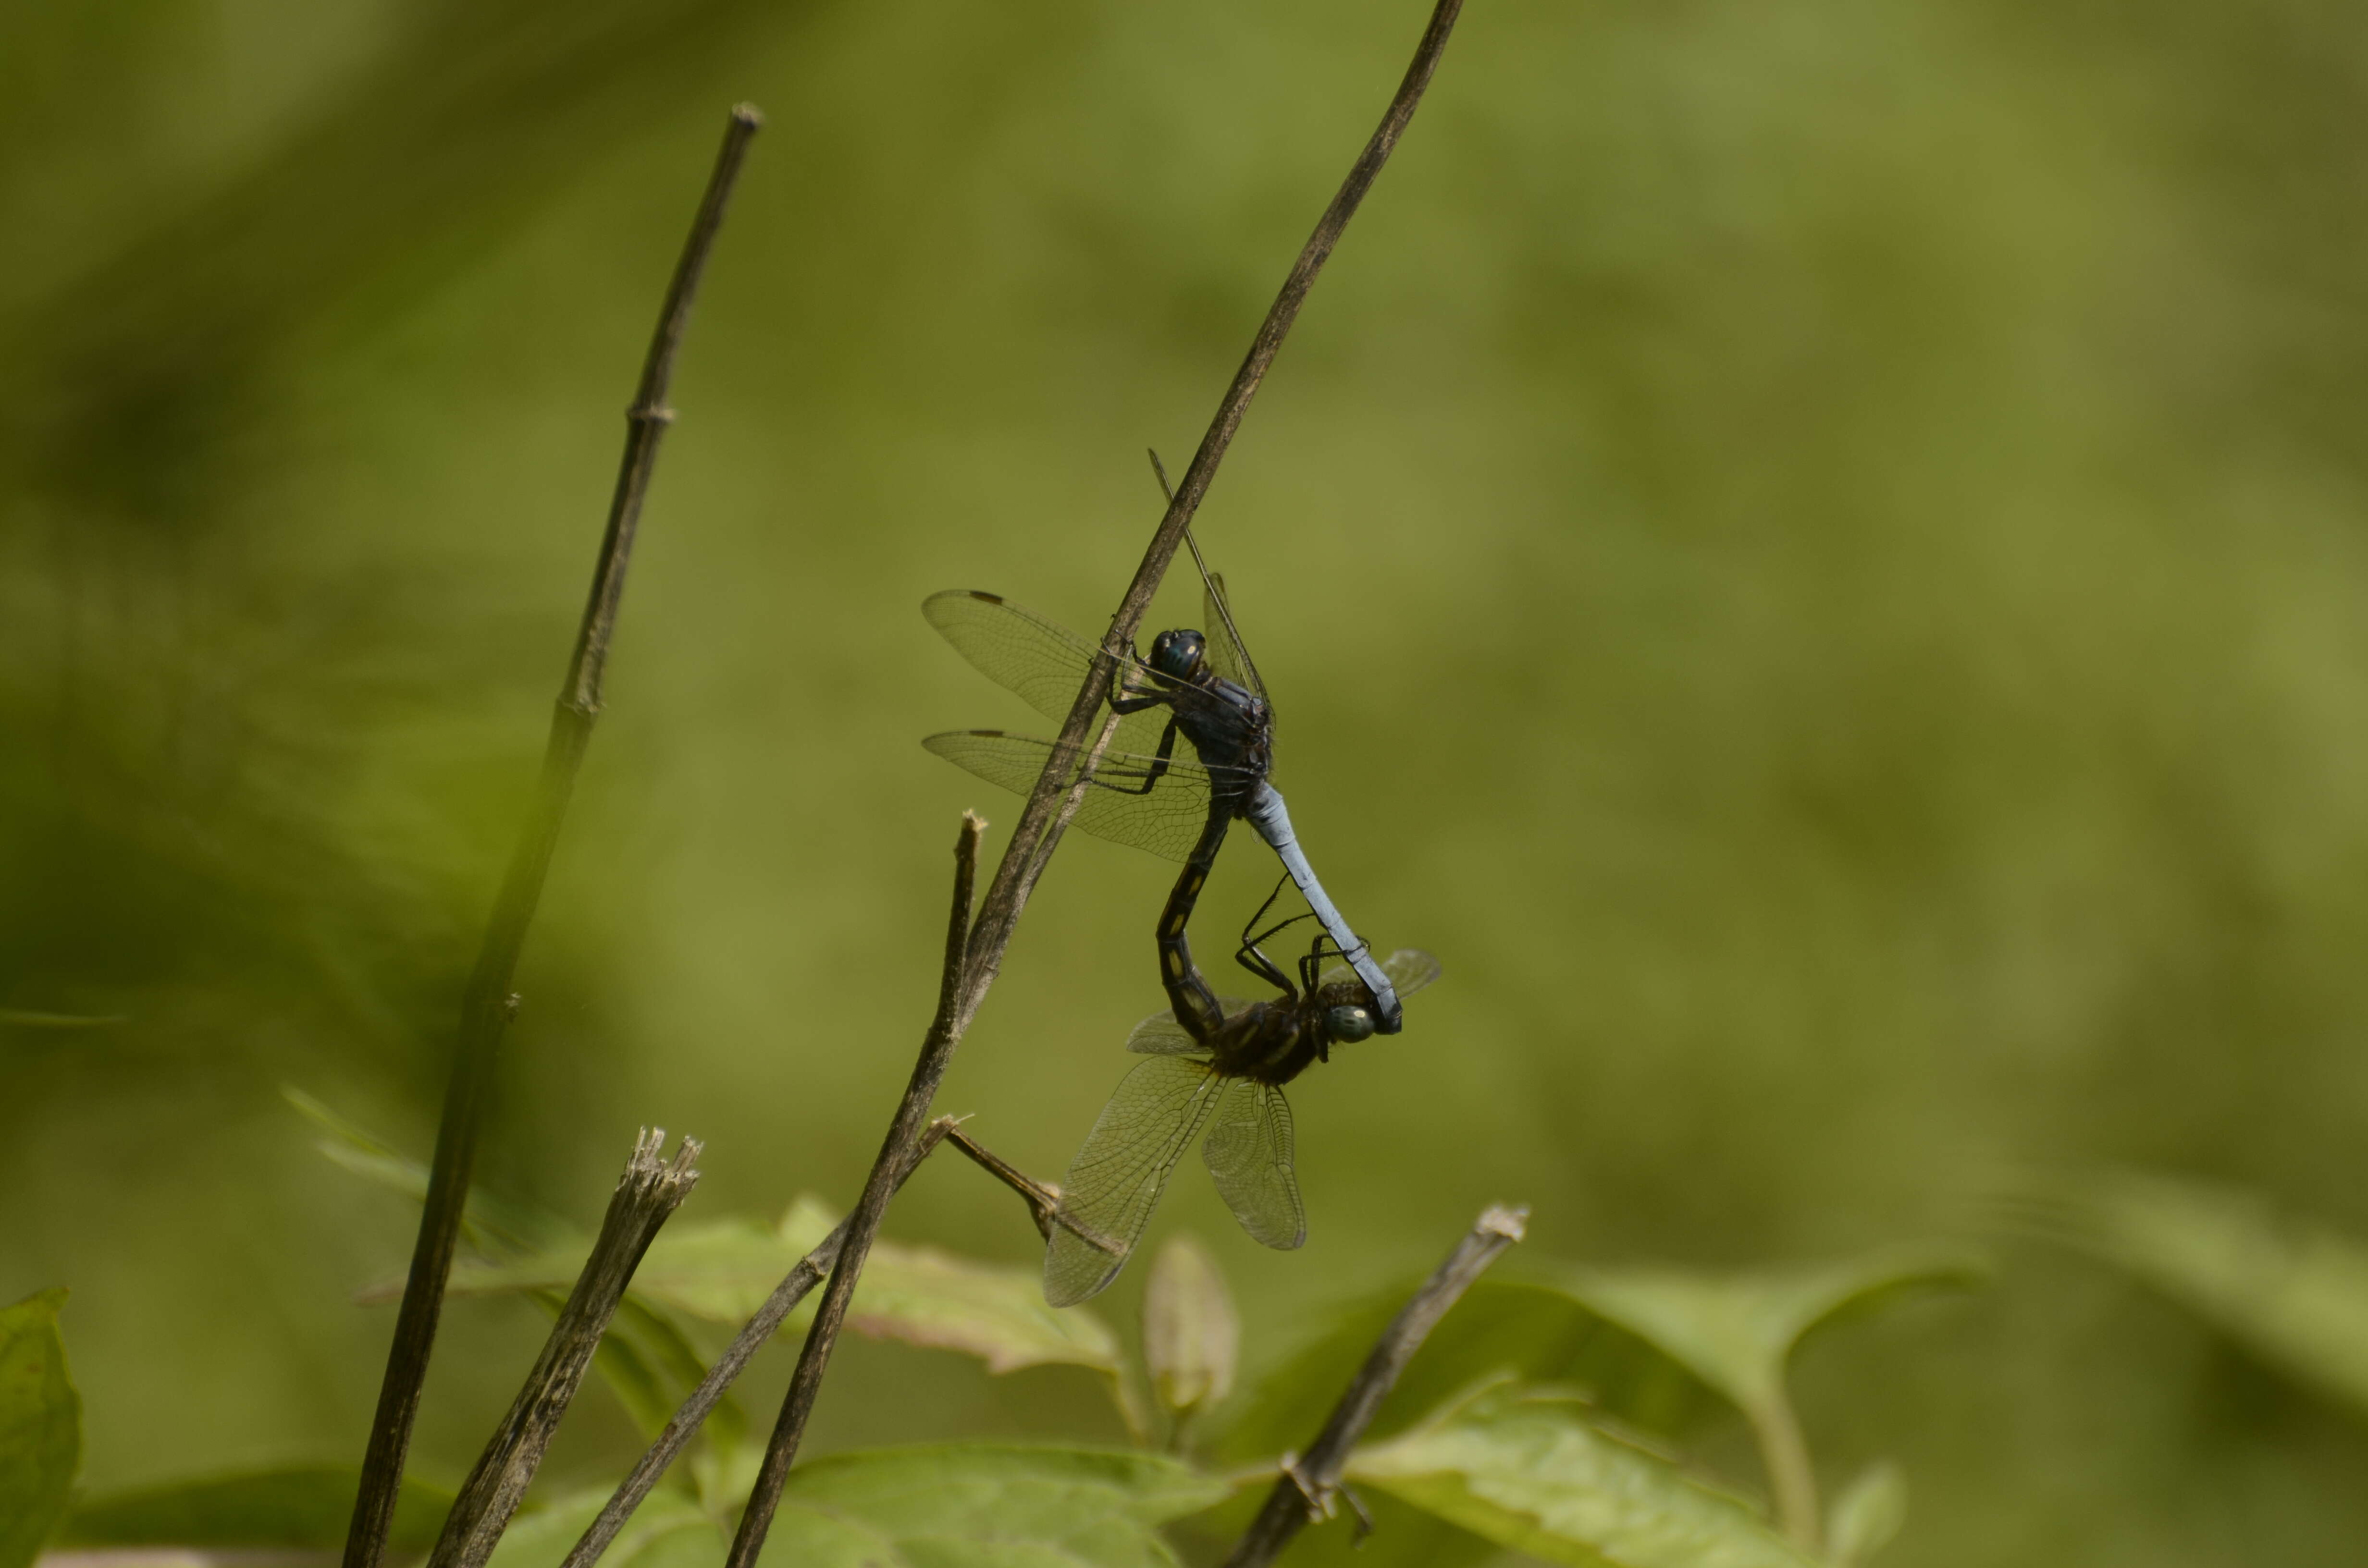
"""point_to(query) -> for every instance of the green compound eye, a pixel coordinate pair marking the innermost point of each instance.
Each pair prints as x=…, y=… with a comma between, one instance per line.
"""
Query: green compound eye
x=1347, y=1025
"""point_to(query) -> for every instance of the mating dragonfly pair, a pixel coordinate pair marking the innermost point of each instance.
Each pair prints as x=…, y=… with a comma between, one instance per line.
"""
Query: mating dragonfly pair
x=1218, y=1063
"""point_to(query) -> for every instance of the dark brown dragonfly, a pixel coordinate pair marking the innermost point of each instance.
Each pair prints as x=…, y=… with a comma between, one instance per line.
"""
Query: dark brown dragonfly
x=1231, y=1088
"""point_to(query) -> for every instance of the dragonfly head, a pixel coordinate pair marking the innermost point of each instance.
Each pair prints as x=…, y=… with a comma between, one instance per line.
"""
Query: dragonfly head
x=1350, y=1015
x=1180, y=655
x=1347, y=1023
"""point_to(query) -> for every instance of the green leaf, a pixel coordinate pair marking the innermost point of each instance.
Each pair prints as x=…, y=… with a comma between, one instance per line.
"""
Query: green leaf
x=2295, y=1291
x=1500, y=1325
x=667, y=1530
x=629, y=1370
x=649, y=1363
x=1737, y=1331
x=1191, y=1336
x=647, y=1359
x=1867, y=1514
x=1528, y=1472
x=305, y=1507
x=806, y=1222
x=719, y=1270
x=488, y=1222
x=723, y=1270
x=946, y=1505
x=40, y=1427
x=984, y=1506
x=994, y=1312
x=1403, y=1536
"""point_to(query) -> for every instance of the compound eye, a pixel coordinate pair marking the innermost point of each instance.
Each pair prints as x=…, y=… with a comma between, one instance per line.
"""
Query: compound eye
x=1176, y=655
x=1347, y=1025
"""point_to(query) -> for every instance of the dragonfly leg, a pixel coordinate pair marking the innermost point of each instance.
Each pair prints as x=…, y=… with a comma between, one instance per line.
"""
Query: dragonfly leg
x=1158, y=769
x=1248, y=956
x=1265, y=968
x=1312, y=966
x=1279, y=925
x=1248, y=940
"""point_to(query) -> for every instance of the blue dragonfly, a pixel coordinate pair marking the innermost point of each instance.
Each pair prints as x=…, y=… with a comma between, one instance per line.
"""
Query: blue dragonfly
x=1199, y=684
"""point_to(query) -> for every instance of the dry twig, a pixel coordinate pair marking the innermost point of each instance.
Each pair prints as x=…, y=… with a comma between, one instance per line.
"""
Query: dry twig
x=668, y=1446
x=648, y=1192
x=1308, y=1484
x=1043, y=1200
x=487, y=1006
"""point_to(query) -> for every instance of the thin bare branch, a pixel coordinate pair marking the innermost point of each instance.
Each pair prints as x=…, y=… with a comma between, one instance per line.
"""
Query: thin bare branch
x=1043, y=1200
x=1309, y=1486
x=649, y=1191
x=1037, y=833
x=863, y=1225
x=487, y=1006
x=802, y=1279
x=647, y=419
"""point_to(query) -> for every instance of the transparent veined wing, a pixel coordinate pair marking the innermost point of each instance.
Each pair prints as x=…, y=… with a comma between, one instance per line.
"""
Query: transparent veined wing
x=1226, y=653
x=1132, y=799
x=1120, y=1171
x=1038, y=658
x=1249, y=1152
x=1409, y=969
x=1042, y=660
x=1161, y=1035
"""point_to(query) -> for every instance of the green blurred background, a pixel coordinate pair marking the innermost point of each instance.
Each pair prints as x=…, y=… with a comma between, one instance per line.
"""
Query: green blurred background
x=1812, y=552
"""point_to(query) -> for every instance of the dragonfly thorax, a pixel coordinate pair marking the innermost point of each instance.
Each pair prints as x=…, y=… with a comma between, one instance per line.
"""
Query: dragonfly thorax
x=1275, y=1041
x=1230, y=728
x=1271, y=1042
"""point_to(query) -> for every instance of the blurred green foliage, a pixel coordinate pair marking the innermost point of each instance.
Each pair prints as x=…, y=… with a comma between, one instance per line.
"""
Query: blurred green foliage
x=305, y=1508
x=40, y=1427
x=1812, y=553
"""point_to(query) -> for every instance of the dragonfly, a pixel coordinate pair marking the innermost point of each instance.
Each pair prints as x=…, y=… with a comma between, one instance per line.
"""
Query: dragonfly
x=1229, y=1087
x=1199, y=684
